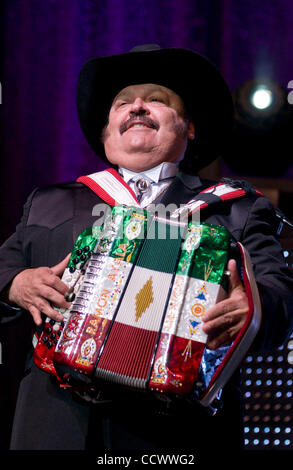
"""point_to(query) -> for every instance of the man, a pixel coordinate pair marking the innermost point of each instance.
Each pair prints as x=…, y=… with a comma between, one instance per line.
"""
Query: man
x=146, y=115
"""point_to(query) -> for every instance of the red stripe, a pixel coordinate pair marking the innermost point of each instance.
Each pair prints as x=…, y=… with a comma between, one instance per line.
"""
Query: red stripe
x=233, y=192
x=128, y=351
x=178, y=370
x=212, y=187
x=97, y=189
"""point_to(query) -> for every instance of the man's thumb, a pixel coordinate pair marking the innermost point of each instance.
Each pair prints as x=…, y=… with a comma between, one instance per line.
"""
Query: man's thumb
x=234, y=278
x=59, y=268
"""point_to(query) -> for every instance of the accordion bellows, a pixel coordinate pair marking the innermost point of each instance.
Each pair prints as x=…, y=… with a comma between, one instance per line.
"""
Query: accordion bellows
x=136, y=320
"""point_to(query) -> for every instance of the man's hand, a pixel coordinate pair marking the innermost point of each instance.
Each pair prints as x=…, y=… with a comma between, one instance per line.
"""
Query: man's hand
x=36, y=289
x=223, y=321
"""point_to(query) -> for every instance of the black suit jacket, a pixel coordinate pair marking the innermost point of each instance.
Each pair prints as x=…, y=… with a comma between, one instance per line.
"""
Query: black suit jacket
x=53, y=218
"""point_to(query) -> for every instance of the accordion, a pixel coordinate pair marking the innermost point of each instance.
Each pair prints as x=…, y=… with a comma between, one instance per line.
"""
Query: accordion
x=139, y=286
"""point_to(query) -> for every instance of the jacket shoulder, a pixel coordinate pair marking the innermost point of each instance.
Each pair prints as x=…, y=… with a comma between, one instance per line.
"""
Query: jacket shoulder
x=55, y=203
x=58, y=187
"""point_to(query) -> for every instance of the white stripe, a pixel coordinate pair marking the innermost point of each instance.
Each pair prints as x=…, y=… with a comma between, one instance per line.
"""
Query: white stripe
x=191, y=206
x=183, y=299
x=108, y=288
x=150, y=319
x=114, y=188
x=222, y=190
x=187, y=209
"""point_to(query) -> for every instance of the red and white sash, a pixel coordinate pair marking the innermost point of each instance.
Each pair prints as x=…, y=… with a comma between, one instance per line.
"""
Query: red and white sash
x=112, y=189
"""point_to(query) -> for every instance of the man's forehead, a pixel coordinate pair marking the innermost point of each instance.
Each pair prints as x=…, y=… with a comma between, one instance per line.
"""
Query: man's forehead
x=132, y=90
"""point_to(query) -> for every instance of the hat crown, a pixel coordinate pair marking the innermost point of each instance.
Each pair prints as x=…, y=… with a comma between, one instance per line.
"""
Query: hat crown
x=145, y=47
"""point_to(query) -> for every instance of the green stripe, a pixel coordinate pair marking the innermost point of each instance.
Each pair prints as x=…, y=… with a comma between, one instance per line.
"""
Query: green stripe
x=207, y=258
x=215, y=237
x=160, y=249
x=209, y=265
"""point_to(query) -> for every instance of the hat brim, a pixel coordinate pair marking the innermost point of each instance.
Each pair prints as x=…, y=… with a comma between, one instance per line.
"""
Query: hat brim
x=200, y=85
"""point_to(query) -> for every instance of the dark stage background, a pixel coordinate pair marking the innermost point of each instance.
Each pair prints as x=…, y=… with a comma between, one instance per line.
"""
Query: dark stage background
x=43, y=46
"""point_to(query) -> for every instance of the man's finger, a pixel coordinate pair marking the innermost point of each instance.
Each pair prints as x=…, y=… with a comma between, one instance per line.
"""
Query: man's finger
x=221, y=308
x=222, y=322
x=58, y=285
x=55, y=297
x=59, y=268
x=44, y=307
x=36, y=314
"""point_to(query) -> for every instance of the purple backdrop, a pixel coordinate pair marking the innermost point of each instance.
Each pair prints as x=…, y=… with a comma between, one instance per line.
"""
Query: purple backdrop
x=46, y=43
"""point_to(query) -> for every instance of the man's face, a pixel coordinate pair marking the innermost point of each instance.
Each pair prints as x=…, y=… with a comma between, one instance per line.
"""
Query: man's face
x=147, y=126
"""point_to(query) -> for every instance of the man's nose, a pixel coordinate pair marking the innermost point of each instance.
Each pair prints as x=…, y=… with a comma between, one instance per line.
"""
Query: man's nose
x=139, y=106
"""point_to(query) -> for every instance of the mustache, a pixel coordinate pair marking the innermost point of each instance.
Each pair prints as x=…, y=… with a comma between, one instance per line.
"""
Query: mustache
x=138, y=119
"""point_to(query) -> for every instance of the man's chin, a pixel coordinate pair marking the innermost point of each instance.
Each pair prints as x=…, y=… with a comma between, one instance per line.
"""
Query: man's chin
x=136, y=159
x=139, y=167
x=138, y=142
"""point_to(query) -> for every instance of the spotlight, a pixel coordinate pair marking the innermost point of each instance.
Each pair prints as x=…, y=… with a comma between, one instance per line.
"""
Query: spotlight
x=261, y=97
x=261, y=141
x=259, y=100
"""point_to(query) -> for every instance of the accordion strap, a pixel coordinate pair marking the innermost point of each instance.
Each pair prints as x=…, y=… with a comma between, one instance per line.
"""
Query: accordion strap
x=112, y=189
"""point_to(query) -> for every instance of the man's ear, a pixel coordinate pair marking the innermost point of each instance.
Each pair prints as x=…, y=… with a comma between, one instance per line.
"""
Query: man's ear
x=191, y=130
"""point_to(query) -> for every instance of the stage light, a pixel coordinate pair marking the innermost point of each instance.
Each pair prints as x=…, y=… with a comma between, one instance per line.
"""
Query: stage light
x=262, y=97
x=262, y=135
x=257, y=101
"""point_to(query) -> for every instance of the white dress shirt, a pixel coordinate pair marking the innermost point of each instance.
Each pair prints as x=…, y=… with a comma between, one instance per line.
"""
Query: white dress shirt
x=160, y=177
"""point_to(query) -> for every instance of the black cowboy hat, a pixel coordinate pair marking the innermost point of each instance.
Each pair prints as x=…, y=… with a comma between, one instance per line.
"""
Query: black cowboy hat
x=201, y=86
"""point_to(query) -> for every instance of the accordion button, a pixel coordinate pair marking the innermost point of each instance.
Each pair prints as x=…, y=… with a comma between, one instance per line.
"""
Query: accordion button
x=82, y=266
x=86, y=249
x=45, y=339
x=75, y=260
x=52, y=322
x=72, y=269
x=49, y=345
x=78, y=252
